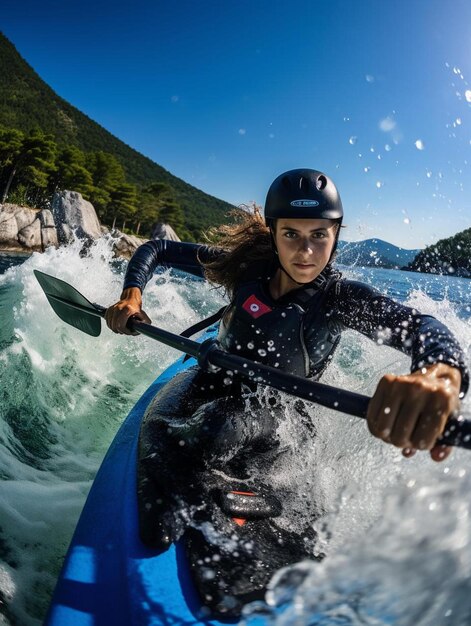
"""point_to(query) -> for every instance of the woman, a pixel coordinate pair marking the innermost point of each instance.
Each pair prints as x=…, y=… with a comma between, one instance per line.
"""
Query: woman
x=288, y=308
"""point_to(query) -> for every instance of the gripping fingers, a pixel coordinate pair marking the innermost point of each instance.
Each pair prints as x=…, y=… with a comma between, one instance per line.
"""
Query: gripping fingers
x=382, y=409
x=117, y=317
x=428, y=428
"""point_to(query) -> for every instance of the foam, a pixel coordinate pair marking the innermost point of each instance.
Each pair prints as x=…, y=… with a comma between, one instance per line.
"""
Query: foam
x=64, y=395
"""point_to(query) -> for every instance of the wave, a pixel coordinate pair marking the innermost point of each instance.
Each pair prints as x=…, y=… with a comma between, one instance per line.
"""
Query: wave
x=395, y=531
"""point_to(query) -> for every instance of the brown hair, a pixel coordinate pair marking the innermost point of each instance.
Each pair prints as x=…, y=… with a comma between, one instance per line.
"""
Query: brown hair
x=245, y=241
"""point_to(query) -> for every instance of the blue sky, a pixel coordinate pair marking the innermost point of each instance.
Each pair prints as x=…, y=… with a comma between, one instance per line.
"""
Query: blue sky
x=227, y=94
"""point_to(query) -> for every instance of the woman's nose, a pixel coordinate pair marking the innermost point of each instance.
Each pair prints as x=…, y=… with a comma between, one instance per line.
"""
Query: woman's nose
x=306, y=246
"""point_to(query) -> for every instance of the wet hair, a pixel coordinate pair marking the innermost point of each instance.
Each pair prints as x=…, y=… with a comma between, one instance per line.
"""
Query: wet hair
x=246, y=241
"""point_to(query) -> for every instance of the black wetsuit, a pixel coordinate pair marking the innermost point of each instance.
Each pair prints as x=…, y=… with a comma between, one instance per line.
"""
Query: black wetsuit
x=199, y=437
x=348, y=304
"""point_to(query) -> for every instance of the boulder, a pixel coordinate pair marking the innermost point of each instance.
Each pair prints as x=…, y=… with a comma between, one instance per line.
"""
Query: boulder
x=126, y=245
x=8, y=230
x=46, y=218
x=30, y=236
x=24, y=217
x=73, y=214
x=48, y=229
x=14, y=218
x=164, y=231
x=22, y=227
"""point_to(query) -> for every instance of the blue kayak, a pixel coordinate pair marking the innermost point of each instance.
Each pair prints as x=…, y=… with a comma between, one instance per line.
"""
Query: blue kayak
x=109, y=576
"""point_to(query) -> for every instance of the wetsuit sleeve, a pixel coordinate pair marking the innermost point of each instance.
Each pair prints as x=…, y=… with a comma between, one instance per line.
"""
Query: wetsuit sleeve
x=422, y=337
x=164, y=253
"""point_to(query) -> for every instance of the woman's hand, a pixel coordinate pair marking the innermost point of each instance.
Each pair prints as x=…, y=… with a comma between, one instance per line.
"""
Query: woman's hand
x=411, y=411
x=129, y=305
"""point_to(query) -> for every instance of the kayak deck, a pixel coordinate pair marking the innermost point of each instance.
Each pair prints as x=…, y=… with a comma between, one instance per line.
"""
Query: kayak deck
x=109, y=576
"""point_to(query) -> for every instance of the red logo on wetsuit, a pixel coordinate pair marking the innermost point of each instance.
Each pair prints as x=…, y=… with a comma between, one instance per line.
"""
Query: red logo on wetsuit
x=255, y=307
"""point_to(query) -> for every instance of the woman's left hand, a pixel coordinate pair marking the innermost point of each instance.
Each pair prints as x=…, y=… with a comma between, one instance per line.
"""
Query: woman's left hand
x=411, y=411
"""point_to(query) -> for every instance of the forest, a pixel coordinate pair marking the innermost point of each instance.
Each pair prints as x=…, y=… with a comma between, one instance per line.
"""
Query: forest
x=48, y=144
x=33, y=167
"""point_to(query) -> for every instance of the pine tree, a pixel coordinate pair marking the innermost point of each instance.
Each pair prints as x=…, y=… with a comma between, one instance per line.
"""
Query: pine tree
x=70, y=172
x=158, y=204
x=123, y=204
x=27, y=159
x=107, y=175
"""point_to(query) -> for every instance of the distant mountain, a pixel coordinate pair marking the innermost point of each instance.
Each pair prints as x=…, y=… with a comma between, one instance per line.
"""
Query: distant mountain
x=374, y=253
x=450, y=256
x=28, y=103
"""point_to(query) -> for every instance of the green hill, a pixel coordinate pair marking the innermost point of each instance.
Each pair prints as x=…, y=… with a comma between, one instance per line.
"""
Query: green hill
x=28, y=103
x=450, y=256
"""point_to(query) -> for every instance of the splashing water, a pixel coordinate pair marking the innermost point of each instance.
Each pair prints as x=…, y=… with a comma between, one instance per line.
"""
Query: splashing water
x=63, y=396
x=395, y=531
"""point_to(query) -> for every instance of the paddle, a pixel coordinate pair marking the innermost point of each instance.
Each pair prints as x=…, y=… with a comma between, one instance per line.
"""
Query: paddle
x=74, y=309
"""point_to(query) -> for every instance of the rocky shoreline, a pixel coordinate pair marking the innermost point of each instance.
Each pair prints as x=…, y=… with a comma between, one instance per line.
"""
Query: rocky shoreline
x=25, y=230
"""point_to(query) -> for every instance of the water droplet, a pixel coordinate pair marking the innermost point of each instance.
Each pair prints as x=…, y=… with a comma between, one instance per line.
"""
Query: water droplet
x=419, y=144
x=366, y=169
x=346, y=119
x=369, y=78
x=429, y=174
x=467, y=95
x=458, y=121
x=406, y=220
x=242, y=131
x=352, y=140
x=379, y=184
x=387, y=410
x=387, y=124
x=387, y=147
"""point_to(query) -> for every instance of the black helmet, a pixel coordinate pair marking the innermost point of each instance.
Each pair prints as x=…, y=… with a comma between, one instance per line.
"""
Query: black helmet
x=303, y=193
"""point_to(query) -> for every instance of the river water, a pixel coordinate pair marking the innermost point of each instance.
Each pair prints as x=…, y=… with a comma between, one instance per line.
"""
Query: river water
x=397, y=532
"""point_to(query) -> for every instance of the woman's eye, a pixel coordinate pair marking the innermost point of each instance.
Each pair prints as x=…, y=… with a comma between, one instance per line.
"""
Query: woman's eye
x=319, y=235
x=290, y=235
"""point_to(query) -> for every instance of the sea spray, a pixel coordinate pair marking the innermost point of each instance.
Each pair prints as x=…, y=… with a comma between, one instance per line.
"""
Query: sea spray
x=396, y=532
x=63, y=396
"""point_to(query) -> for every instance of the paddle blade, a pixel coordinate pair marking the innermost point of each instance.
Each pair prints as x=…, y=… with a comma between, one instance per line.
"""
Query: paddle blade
x=70, y=305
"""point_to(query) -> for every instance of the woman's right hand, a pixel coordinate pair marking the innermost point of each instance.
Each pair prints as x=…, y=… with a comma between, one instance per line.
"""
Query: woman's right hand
x=129, y=305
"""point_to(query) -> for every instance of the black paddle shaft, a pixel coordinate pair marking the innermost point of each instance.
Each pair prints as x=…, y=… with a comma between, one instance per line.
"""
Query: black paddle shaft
x=72, y=307
x=208, y=354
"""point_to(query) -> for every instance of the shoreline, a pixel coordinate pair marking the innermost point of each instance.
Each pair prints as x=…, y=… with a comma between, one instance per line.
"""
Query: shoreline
x=12, y=251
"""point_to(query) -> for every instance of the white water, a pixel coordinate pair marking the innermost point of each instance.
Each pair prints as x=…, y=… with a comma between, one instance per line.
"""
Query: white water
x=396, y=531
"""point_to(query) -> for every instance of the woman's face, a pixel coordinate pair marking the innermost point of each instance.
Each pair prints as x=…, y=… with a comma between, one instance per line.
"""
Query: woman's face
x=304, y=246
